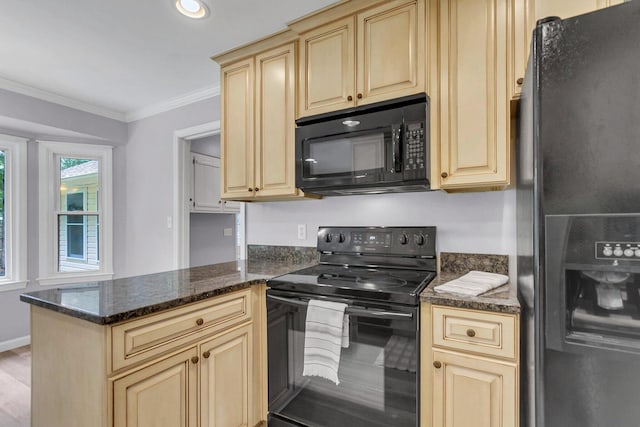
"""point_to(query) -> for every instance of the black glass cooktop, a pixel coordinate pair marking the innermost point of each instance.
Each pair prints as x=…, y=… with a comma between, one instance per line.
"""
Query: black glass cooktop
x=396, y=285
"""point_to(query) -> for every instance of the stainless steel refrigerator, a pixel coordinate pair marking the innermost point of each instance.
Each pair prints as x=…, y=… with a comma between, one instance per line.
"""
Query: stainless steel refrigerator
x=578, y=210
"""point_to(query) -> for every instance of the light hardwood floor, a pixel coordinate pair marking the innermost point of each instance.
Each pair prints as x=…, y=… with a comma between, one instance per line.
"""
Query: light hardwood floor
x=15, y=387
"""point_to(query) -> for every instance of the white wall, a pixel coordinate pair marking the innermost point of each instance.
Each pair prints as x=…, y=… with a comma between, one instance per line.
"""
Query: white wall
x=207, y=242
x=466, y=222
x=146, y=241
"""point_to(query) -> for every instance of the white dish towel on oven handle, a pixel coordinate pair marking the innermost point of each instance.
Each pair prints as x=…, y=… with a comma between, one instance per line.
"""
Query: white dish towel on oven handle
x=324, y=338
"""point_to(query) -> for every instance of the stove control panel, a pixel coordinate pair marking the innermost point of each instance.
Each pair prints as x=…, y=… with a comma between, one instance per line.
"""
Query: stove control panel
x=402, y=241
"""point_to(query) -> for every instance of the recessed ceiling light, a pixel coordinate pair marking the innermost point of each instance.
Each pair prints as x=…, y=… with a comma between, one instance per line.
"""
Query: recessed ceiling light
x=192, y=8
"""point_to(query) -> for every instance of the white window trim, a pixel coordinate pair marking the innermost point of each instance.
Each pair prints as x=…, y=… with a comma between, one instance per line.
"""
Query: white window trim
x=16, y=221
x=48, y=199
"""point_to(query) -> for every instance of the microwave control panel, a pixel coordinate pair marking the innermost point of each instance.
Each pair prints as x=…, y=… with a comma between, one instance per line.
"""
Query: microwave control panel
x=629, y=251
x=415, y=154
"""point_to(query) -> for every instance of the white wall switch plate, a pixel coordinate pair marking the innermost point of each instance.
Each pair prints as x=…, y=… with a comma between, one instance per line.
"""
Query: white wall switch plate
x=228, y=232
x=302, y=231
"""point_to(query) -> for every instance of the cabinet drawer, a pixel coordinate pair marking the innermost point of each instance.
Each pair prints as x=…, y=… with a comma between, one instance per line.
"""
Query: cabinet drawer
x=150, y=336
x=475, y=331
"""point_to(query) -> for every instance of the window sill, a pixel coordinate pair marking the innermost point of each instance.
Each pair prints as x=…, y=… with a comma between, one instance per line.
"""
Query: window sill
x=70, y=279
x=12, y=286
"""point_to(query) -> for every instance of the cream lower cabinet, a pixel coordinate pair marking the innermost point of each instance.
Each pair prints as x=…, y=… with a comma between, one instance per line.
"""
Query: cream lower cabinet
x=203, y=364
x=469, y=368
x=473, y=144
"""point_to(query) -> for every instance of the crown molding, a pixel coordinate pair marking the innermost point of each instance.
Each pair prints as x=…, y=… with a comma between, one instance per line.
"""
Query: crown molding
x=44, y=95
x=172, y=104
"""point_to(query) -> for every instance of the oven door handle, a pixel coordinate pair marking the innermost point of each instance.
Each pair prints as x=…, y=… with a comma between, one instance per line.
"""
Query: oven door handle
x=353, y=310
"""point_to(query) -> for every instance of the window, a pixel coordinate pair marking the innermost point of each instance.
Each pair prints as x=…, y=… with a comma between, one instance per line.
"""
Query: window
x=13, y=208
x=77, y=243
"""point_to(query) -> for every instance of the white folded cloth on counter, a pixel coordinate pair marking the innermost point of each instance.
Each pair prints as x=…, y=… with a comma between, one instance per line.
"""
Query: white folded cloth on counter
x=473, y=283
x=324, y=338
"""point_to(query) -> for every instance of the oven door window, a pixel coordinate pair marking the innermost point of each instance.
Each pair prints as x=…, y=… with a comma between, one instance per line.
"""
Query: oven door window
x=377, y=373
x=353, y=155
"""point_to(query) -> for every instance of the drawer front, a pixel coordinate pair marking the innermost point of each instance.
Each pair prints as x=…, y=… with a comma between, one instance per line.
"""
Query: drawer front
x=135, y=341
x=475, y=331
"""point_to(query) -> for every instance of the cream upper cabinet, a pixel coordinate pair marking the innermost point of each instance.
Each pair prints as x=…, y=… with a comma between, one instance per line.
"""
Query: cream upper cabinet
x=236, y=134
x=163, y=394
x=474, y=103
x=368, y=57
x=327, y=68
x=275, y=126
x=226, y=380
x=525, y=13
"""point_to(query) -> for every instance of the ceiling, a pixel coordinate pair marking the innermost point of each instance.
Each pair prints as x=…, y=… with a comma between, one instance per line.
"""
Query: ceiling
x=120, y=58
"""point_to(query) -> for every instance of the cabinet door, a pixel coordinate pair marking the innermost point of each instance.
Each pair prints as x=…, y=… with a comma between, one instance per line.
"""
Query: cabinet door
x=391, y=59
x=161, y=395
x=473, y=392
x=226, y=380
x=474, y=151
x=568, y=8
x=522, y=24
x=237, y=130
x=275, y=126
x=231, y=207
x=206, y=184
x=327, y=68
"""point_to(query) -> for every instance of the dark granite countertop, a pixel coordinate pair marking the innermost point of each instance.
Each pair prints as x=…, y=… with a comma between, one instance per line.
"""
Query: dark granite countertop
x=112, y=301
x=452, y=265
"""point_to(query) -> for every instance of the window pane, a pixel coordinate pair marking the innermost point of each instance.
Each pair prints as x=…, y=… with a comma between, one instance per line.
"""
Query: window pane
x=78, y=243
x=2, y=230
x=79, y=184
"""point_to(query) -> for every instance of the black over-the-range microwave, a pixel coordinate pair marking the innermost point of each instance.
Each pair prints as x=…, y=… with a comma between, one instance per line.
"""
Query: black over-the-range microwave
x=375, y=148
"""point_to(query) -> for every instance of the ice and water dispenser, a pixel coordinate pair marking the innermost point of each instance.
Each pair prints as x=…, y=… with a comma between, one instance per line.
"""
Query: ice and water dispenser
x=592, y=283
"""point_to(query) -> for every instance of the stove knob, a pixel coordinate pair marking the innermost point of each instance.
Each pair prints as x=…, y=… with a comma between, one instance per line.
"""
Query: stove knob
x=607, y=251
x=628, y=252
x=618, y=252
x=341, y=238
x=328, y=238
x=637, y=253
x=420, y=240
x=404, y=239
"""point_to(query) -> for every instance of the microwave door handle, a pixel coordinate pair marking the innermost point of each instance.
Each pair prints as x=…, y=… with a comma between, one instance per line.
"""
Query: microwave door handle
x=397, y=149
x=351, y=310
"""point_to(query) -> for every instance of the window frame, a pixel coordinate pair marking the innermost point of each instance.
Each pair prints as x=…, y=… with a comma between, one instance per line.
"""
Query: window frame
x=15, y=203
x=50, y=153
x=83, y=224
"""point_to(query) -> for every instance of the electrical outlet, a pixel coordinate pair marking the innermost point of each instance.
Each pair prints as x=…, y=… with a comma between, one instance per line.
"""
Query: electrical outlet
x=302, y=231
x=228, y=232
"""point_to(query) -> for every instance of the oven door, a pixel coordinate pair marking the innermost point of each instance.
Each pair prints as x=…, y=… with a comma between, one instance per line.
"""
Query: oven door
x=378, y=371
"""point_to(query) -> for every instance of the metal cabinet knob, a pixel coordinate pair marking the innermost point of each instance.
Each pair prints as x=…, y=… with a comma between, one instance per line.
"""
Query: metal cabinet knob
x=520, y=81
x=471, y=333
x=206, y=354
x=256, y=189
x=195, y=359
x=359, y=96
x=444, y=174
x=437, y=365
x=199, y=322
x=349, y=98
x=250, y=189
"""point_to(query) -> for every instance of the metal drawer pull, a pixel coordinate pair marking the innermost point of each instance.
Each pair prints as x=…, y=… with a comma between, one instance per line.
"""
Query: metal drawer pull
x=206, y=354
x=437, y=365
x=199, y=322
x=195, y=359
x=351, y=310
x=471, y=333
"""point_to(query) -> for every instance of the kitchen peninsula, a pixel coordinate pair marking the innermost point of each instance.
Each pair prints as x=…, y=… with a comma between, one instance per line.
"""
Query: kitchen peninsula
x=154, y=348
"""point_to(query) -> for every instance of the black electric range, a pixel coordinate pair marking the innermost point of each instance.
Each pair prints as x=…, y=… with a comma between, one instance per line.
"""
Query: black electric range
x=386, y=264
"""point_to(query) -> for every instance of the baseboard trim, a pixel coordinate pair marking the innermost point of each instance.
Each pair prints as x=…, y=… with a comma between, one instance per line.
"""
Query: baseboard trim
x=15, y=343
